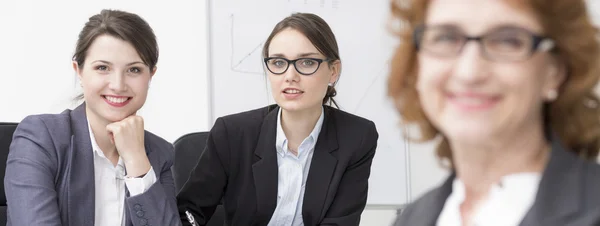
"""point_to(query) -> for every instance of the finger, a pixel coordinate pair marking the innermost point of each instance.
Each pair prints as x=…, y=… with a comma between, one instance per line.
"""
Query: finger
x=113, y=128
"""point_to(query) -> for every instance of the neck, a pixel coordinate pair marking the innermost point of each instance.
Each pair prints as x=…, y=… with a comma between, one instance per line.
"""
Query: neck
x=102, y=136
x=481, y=166
x=297, y=125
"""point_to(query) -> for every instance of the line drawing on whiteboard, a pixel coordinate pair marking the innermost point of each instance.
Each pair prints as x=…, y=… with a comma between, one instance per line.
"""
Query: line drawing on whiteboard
x=235, y=66
x=322, y=3
x=366, y=93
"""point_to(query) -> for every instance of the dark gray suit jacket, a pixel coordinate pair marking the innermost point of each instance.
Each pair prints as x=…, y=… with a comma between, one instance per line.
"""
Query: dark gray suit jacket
x=239, y=166
x=50, y=175
x=568, y=195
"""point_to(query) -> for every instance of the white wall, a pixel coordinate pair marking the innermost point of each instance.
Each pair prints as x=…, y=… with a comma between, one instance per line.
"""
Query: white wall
x=38, y=39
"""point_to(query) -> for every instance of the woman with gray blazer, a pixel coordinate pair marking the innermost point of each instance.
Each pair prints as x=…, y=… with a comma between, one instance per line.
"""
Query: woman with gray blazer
x=96, y=165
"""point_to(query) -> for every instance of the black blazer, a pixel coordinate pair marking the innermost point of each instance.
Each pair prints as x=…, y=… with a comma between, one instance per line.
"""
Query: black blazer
x=239, y=167
x=568, y=195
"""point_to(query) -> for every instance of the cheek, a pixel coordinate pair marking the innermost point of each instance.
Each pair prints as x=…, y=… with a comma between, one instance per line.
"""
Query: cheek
x=318, y=84
x=275, y=82
x=139, y=85
x=430, y=85
x=92, y=83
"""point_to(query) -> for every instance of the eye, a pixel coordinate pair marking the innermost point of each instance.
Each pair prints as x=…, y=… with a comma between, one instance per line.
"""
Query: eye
x=135, y=70
x=278, y=62
x=445, y=38
x=508, y=41
x=307, y=62
x=101, y=68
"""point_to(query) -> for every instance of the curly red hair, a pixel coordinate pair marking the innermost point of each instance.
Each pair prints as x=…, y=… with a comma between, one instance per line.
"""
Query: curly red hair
x=574, y=116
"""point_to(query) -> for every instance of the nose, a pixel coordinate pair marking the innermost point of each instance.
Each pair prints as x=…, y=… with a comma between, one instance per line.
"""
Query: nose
x=117, y=82
x=470, y=66
x=291, y=75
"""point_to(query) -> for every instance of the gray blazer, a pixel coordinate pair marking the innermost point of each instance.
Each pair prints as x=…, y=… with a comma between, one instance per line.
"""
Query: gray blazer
x=568, y=195
x=50, y=175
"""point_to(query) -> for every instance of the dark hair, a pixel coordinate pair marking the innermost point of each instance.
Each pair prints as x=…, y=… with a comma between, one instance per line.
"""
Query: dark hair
x=119, y=24
x=573, y=116
x=318, y=33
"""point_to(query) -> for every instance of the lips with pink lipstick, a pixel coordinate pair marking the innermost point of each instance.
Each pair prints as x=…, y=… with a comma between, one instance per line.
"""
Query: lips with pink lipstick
x=116, y=101
x=471, y=101
x=292, y=93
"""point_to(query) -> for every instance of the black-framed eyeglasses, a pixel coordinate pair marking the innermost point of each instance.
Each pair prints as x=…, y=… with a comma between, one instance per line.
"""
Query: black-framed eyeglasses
x=304, y=66
x=506, y=44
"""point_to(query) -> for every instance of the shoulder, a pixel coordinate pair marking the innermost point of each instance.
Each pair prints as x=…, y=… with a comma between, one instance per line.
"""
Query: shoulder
x=160, y=146
x=251, y=120
x=348, y=120
x=40, y=138
x=156, y=141
x=45, y=128
x=352, y=127
x=428, y=205
x=591, y=181
x=254, y=116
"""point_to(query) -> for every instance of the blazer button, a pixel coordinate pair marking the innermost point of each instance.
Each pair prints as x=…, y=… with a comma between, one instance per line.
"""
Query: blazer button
x=137, y=207
x=144, y=221
x=139, y=213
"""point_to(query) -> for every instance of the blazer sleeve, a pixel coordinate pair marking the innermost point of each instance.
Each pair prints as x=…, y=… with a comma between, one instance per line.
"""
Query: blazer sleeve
x=205, y=187
x=157, y=205
x=31, y=167
x=351, y=197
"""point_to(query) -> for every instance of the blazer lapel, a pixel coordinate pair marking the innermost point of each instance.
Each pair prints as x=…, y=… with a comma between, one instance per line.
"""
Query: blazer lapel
x=264, y=169
x=559, y=190
x=321, y=171
x=81, y=198
x=430, y=207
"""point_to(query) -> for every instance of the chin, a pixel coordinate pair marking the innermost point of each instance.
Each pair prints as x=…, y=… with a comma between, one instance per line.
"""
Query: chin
x=291, y=106
x=470, y=134
x=114, y=117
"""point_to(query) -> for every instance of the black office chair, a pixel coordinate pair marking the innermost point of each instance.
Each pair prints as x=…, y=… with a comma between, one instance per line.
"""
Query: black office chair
x=6, y=132
x=188, y=149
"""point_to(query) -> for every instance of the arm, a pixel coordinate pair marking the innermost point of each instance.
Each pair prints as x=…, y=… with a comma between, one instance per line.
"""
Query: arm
x=29, y=180
x=351, y=196
x=152, y=202
x=205, y=187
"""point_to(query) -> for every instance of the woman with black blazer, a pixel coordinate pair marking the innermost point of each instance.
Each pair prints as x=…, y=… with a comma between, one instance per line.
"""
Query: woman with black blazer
x=507, y=89
x=299, y=162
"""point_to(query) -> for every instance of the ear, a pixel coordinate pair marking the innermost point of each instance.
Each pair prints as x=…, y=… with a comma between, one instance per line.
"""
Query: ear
x=555, y=77
x=153, y=71
x=336, y=69
x=77, y=70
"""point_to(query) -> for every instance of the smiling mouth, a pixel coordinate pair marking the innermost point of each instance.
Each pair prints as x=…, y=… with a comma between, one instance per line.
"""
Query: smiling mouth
x=116, y=100
x=292, y=91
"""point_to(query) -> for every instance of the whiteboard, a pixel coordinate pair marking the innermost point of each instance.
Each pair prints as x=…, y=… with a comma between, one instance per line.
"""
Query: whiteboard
x=238, y=29
x=594, y=9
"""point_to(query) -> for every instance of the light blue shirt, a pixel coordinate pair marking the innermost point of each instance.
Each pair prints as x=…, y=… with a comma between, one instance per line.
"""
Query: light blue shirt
x=293, y=171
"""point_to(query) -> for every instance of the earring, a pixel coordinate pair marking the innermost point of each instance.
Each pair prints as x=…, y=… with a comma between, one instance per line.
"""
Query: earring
x=552, y=95
x=330, y=84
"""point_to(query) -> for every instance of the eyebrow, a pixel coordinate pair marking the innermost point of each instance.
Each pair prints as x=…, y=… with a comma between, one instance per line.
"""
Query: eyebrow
x=492, y=29
x=109, y=63
x=299, y=55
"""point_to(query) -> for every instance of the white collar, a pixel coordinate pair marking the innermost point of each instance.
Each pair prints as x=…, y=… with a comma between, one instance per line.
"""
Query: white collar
x=281, y=140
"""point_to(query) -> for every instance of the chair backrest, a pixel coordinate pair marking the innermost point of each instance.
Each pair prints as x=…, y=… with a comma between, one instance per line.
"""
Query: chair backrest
x=188, y=149
x=6, y=132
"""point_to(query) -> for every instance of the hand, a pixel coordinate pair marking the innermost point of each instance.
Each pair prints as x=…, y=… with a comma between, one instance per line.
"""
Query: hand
x=128, y=137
